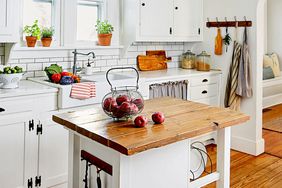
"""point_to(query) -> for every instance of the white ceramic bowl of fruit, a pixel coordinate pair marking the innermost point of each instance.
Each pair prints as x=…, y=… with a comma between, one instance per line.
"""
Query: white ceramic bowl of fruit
x=10, y=77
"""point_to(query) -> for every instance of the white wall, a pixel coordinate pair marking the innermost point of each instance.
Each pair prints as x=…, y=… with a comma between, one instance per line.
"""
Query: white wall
x=247, y=137
x=274, y=36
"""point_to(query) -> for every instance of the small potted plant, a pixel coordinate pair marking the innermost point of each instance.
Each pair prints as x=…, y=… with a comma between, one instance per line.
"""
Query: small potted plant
x=104, y=30
x=32, y=33
x=46, y=36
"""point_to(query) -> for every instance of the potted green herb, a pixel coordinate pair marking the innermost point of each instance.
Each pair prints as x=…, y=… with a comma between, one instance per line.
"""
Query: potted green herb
x=32, y=33
x=46, y=36
x=104, y=30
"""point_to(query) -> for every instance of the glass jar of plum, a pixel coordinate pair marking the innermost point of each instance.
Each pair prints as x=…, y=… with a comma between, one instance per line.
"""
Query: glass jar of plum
x=123, y=102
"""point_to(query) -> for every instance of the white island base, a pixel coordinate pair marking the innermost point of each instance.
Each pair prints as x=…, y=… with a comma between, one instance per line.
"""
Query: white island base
x=164, y=167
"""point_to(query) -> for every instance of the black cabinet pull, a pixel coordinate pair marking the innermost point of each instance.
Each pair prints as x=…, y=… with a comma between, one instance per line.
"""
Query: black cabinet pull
x=176, y=8
x=2, y=110
x=143, y=4
x=205, y=80
x=205, y=92
x=31, y=125
x=29, y=183
x=170, y=30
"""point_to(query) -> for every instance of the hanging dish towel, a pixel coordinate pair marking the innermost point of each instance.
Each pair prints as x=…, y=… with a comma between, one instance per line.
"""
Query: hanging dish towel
x=83, y=91
x=232, y=100
x=244, y=88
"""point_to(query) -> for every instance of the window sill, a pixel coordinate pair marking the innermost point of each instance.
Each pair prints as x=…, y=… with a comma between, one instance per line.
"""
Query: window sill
x=40, y=48
x=57, y=51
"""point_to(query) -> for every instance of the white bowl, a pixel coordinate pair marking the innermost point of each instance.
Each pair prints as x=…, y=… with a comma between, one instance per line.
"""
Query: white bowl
x=10, y=81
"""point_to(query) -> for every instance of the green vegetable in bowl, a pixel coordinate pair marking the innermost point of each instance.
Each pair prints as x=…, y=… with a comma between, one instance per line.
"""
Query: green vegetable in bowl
x=10, y=70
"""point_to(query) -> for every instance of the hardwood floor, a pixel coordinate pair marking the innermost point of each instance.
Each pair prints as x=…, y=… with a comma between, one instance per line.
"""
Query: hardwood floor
x=273, y=143
x=264, y=171
x=251, y=172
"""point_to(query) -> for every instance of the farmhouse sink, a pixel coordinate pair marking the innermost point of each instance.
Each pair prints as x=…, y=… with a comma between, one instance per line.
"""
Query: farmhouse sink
x=102, y=88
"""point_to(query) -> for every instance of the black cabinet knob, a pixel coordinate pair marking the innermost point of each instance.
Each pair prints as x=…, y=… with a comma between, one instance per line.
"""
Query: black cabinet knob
x=2, y=110
x=176, y=8
x=143, y=4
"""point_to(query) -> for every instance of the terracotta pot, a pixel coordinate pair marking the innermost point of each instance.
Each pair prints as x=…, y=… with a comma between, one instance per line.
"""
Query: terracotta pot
x=104, y=39
x=46, y=42
x=30, y=41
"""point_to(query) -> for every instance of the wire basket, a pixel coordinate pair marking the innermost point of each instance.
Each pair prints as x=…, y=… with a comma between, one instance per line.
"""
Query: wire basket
x=124, y=102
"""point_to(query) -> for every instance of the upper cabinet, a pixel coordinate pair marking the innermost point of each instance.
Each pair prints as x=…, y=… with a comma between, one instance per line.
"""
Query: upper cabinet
x=162, y=20
x=9, y=21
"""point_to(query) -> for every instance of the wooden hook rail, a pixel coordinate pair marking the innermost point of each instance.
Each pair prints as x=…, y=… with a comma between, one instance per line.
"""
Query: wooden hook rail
x=230, y=24
x=102, y=165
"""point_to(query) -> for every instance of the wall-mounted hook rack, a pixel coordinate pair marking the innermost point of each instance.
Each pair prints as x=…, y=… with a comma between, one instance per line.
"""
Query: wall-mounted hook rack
x=226, y=23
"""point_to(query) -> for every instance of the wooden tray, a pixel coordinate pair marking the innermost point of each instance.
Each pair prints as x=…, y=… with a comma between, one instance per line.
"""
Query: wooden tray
x=153, y=60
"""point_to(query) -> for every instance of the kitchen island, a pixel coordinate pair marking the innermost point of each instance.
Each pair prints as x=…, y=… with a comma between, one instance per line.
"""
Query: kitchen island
x=154, y=156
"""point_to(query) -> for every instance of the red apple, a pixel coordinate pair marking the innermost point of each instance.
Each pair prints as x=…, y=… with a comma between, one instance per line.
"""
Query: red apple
x=139, y=103
x=158, y=117
x=121, y=99
x=133, y=109
x=140, y=121
x=109, y=104
x=125, y=107
x=117, y=113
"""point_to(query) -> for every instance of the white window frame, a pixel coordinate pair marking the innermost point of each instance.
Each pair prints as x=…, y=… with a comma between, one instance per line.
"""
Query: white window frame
x=56, y=23
x=64, y=20
x=102, y=9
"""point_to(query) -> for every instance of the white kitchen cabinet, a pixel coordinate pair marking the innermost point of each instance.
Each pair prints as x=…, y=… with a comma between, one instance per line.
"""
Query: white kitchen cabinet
x=53, y=154
x=9, y=21
x=162, y=21
x=188, y=19
x=12, y=155
x=156, y=24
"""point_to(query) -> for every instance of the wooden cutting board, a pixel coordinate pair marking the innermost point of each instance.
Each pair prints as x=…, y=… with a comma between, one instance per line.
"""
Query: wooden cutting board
x=153, y=60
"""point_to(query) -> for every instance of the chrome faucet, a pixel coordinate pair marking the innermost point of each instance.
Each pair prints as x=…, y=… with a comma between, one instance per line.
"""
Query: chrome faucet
x=74, y=68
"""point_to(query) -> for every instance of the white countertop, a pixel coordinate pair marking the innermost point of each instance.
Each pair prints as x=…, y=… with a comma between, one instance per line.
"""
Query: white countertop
x=174, y=73
x=32, y=88
x=27, y=88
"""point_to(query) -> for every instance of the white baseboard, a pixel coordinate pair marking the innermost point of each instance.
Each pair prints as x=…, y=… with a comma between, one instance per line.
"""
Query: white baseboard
x=247, y=146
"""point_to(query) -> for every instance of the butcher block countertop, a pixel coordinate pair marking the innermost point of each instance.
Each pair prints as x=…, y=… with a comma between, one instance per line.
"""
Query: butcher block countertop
x=184, y=120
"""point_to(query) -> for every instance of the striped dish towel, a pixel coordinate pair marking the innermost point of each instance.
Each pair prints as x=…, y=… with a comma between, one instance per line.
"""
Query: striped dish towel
x=83, y=91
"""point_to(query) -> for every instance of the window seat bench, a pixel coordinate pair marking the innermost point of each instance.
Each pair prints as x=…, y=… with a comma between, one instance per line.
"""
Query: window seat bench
x=272, y=92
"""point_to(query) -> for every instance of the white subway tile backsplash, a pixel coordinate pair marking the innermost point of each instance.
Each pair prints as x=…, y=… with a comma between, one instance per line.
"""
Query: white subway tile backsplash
x=105, y=59
x=112, y=62
x=26, y=60
x=56, y=59
x=34, y=67
x=42, y=60
x=100, y=63
x=13, y=61
x=132, y=48
x=141, y=48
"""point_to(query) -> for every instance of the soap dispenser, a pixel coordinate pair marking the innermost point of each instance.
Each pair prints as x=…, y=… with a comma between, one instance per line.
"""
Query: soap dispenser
x=88, y=68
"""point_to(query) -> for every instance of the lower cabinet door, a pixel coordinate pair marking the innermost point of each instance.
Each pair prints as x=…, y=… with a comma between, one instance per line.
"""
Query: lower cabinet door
x=53, y=155
x=12, y=161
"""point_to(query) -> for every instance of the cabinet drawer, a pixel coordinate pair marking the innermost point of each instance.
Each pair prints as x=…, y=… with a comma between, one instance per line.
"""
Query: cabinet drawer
x=206, y=91
x=204, y=80
x=15, y=106
x=213, y=101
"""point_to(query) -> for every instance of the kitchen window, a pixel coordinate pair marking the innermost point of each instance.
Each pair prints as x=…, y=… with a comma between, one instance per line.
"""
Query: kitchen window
x=88, y=12
x=45, y=11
